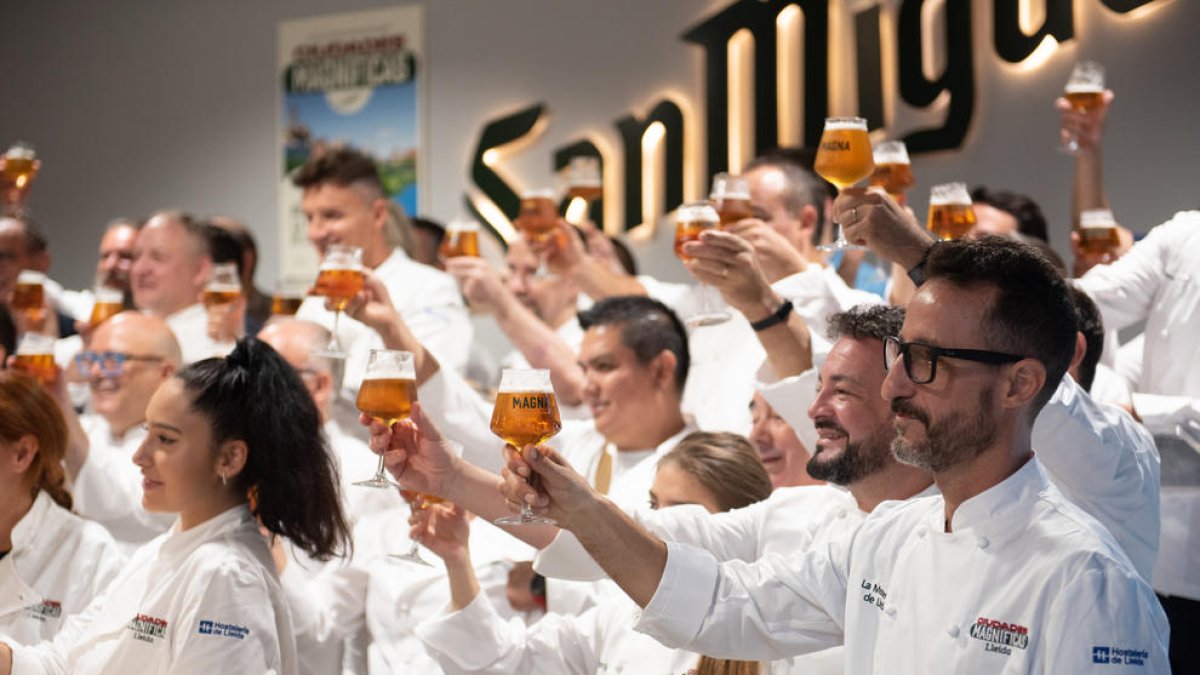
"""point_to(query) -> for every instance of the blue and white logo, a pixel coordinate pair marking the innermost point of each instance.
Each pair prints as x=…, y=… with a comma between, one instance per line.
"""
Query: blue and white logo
x=1119, y=656
x=1101, y=655
x=219, y=629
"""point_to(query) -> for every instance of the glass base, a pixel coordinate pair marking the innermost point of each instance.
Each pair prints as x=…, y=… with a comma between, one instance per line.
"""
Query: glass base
x=379, y=482
x=706, y=319
x=841, y=245
x=525, y=519
x=413, y=558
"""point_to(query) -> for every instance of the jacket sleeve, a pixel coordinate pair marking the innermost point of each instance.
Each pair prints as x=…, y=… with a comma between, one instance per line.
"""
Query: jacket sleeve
x=476, y=640
x=1124, y=290
x=1106, y=618
x=1106, y=464
x=327, y=607
x=770, y=609
x=230, y=624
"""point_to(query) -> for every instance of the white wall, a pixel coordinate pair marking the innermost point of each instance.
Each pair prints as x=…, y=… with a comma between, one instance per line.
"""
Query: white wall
x=135, y=106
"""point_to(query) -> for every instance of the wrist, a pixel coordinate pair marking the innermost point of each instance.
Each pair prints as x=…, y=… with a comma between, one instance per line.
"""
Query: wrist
x=766, y=305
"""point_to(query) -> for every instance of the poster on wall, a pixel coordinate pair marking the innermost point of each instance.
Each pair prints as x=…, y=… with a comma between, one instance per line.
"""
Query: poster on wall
x=349, y=80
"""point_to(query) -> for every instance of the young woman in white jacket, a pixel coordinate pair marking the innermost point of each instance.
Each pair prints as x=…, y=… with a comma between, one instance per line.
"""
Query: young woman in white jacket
x=232, y=443
x=52, y=562
x=719, y=471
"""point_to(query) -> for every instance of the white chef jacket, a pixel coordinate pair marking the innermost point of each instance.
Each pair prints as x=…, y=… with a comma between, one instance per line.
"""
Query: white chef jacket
x=476, y=639
x=1101, y=459
x=389, y=597
x=1025, y=583
x=1159, y=281
x=58, y=563
x=427, y=299
x=190, y=326
x=108, y=488
x=205, y=600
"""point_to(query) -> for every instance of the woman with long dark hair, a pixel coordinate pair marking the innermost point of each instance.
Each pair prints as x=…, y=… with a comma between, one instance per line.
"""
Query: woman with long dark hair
x=52, y=562
x=232, y=443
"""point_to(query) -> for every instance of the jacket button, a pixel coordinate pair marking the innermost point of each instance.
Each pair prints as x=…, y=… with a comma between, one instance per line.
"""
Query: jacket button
x=983, y=542
x=921, y=532
x=953, y=631
x=891, y=610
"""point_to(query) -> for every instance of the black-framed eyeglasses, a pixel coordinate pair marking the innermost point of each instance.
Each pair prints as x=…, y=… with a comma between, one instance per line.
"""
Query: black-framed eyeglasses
x=920, y=360
x=111, y=363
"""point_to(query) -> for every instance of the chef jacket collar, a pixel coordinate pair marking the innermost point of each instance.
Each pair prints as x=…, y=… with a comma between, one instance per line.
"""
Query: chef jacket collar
x=179, y=544
x=999, y=513
x=33, y=523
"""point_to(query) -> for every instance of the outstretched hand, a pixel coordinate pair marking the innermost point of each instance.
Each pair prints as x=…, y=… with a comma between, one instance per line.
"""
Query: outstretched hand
x=561, y=492
x=414, y=452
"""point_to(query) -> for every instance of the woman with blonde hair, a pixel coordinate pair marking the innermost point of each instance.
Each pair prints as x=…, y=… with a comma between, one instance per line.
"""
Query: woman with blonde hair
x=718, y=471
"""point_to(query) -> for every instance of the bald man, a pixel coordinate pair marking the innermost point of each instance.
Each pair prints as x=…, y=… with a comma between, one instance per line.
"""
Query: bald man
x=131, y=354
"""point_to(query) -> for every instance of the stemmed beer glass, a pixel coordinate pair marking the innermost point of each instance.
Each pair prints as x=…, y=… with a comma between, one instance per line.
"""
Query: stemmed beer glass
x=525, y=414
x=844, y=158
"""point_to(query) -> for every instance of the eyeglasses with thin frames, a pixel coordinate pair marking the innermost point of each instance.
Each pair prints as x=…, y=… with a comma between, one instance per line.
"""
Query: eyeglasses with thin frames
x=920, y=360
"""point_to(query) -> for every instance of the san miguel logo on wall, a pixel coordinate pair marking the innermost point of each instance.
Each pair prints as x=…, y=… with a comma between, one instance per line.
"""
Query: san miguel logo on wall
x=954, y=87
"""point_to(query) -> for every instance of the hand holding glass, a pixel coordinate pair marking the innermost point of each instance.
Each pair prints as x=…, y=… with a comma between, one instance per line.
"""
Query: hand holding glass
x=525, y=414
x=843, y=158
x=387, y=392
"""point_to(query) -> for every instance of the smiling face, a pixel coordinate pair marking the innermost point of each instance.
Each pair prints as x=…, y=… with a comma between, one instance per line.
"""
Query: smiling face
x=346, y=215
x=674, y=487
x=170, y=267
x=623, y=393
x=852, y=422
x=116, y=256
x=953, y=418
x=781, y=452
x=177, y=458
x=121, y=398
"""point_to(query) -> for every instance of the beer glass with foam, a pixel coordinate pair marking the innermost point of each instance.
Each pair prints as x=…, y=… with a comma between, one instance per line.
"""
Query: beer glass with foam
x=387, y=392
x=461, y=240
x=690, y=220
x=893, y=171
x=843, y=158
x=1085, y=93
x=35, y=357
x=525, y=414
x=951, y=213
x=730, y=196
x=340, y=279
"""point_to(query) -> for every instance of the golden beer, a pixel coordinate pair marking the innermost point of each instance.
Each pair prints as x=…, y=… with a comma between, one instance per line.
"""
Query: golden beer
x=525, y=417
x=420, y=499
x=1085, y=101
x=844, y=155
x=38, y=366
x=339, y=285
x=103, y=311
x=538, y=218
x=731, y=209
x=588, y=193
x=28, y=297
x=1098, y=232
x=387, y=399
x=20, y=171
x=221, y=295
x=460, y=243
x=690, y=221
x=893, y=178
x=951, y=221
x=286, y=305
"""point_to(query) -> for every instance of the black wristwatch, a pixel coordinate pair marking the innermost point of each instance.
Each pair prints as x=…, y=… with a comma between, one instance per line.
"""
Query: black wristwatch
x=917, y=272
x=777, y=317
x=537, y=587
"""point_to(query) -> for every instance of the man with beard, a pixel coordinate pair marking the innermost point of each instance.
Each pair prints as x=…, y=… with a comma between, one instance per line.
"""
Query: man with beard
x=1000, y=572
x=130, y=355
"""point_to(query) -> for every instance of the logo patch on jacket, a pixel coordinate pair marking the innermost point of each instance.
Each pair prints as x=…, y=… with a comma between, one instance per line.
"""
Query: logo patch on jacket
x=44, y=610
x=208, y=627
x=147, y=628
x=999, y=636
x=1119, y=656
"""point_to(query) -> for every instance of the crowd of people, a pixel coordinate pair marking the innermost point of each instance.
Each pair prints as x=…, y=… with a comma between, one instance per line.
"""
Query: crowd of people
x=988, y=465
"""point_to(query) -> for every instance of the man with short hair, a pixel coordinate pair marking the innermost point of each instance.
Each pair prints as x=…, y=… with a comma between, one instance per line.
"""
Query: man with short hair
x=345, y=203
x=24, y=247
x=258, y=304
x=912, y=589
x=171, y=265
x=1005, y=212
x=130, y=355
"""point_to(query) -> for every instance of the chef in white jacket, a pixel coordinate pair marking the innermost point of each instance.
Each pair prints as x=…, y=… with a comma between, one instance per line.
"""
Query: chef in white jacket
x=716, y=472
x=999, y=574
x=52, y=562
x=204, y=597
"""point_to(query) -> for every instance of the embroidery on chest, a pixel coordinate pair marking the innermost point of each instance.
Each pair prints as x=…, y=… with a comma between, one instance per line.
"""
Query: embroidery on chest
x=45, y=610
x=1000, y=637
x=147, y=628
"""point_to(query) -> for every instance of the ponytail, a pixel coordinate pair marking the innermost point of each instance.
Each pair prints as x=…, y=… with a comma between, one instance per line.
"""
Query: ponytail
x=27, y=410
x=253, y=395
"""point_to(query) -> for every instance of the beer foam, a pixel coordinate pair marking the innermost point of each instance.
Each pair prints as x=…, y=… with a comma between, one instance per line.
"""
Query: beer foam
x=31, y=277
x=35, y=343
x=697, y=213
x=891, y=152
x=20, y=152
x=514, y=380
x=949, y=193
x=340, y=265
x=1084, y=88
x=223, y=288
x=1096, y=219
x=838, y=123
x=538, y=193
x=392, y=373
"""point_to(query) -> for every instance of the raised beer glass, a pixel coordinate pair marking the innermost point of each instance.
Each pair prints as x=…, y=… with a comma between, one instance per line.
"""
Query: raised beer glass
x=583, y=179
x=893, y=171
x=20, y=168
x=35, y=357
x=416, y=502
x=1098, y=233
x=109, y=303
x=538, y=220
x=690, y=221
x=29, y=296
x=730, y=196
x=525, y=414
x=461, y=240
x=1085, y=92
x=224, y=286
x=387, y=392
x=843, y=158
x=287, y=298
x=951, y=213
x=340, y=279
